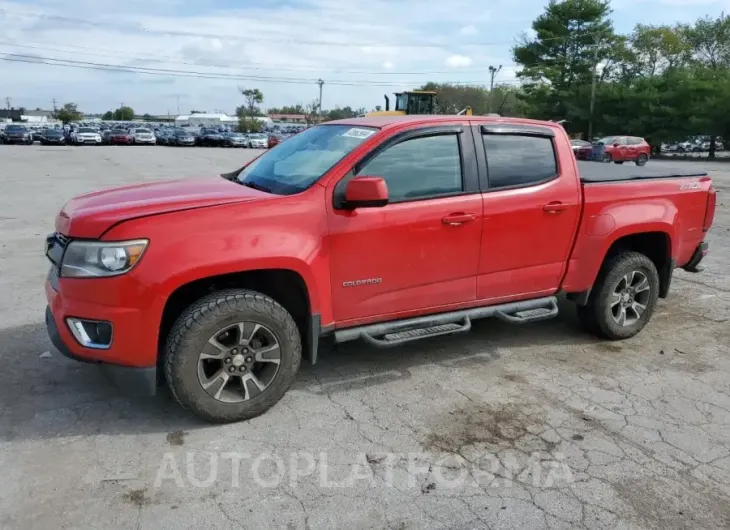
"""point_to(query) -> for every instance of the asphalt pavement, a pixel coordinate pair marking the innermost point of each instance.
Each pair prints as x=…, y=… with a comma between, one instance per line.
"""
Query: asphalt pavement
x=539, y=426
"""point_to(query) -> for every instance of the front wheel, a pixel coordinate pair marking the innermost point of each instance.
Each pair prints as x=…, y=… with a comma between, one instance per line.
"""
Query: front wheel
x=623, y=297
x=232, y=355
x=619, y=162
x=642, y=160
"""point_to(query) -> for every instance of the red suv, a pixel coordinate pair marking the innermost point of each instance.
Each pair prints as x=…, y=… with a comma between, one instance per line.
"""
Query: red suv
x=620, y=149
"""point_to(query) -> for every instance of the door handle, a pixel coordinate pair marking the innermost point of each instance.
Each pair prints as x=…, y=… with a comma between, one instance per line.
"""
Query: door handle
x=456, y=219
x=555, y=207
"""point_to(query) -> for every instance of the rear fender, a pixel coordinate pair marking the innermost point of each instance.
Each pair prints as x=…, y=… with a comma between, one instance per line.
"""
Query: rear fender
x=600, y=232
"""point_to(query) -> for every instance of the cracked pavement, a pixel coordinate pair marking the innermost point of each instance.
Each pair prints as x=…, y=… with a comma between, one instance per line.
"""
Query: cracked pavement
x=540, y=426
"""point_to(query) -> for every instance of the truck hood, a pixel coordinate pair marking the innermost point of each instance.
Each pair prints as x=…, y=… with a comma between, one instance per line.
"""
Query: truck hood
x=92, y=214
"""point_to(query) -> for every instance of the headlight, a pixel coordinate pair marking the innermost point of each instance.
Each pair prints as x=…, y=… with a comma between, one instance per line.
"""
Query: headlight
x=94, y=259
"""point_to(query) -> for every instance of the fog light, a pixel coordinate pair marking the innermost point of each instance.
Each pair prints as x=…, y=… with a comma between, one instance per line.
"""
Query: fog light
x=91, y=333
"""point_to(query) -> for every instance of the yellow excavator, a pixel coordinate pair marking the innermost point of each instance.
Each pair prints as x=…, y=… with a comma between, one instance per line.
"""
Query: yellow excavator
x=412, y=102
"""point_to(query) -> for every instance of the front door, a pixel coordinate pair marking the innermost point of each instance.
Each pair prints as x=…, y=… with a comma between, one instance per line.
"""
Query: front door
x=420, y=252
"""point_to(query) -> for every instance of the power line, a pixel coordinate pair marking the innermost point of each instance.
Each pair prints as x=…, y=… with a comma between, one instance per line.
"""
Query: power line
x=87, y=65
x=290, y=40
x=170, y=59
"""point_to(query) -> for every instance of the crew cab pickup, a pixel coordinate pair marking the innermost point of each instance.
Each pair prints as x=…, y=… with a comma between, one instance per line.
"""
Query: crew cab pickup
x=385, y=229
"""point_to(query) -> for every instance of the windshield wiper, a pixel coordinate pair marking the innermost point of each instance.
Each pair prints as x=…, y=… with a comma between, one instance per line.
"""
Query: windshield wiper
x=255, y=186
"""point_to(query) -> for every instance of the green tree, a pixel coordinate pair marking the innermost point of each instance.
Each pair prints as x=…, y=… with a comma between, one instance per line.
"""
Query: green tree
x=124, y=113
x=254, y=97
x=248, y=124
x=69, y=113
x=147, y=117
x=571, y=38
x=108, y=116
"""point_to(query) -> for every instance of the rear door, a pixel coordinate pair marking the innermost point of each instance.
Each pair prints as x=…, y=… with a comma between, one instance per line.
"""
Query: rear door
x=420, y=252
x=531, y=210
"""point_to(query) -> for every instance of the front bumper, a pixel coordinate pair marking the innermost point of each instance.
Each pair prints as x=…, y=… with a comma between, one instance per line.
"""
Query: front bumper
x=16, y=140
x=131, y=380
x=693, y=265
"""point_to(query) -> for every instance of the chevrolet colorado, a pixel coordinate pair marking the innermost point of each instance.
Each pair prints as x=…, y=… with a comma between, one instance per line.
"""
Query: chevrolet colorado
x=386, y=229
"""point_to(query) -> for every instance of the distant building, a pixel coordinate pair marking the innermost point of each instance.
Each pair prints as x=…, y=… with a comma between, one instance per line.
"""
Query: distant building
x=289, y=118
x=206, y=120
x=38, y=117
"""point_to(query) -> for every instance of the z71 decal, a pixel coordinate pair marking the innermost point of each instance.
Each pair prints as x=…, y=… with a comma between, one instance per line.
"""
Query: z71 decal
x=690, y=186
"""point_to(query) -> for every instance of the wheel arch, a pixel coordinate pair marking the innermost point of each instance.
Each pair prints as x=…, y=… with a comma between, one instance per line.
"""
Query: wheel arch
x=287, y=286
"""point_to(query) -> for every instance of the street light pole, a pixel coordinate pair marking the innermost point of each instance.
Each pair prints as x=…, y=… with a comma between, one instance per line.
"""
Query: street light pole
x=492, y=74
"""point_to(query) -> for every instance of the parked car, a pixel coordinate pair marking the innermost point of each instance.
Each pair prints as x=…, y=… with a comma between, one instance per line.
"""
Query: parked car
x=234, y=139
x=142, y=136
x=53, y=137
x=258, y=141
x=163, y=136
x=86, y=136
x=120, y=137
x=17, y=134
x=210, y=138
x=181, y=137
x=619, y=149
x=577, y=144
x=36, y=134
x=177, y=275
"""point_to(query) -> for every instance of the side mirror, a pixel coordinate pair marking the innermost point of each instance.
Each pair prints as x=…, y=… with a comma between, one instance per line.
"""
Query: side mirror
x=615, y=145
x=366, y=192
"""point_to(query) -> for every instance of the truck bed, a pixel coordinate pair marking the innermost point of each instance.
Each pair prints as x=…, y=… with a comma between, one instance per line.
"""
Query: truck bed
x=597, y=172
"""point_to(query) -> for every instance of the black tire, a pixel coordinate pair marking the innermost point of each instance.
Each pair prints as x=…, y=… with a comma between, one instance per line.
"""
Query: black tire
x=642, y=160
x=199, y=322
x=597, y=316
x=619, y=162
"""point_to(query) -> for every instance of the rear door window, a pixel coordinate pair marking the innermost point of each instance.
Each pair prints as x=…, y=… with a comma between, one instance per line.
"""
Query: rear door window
x=519, y=160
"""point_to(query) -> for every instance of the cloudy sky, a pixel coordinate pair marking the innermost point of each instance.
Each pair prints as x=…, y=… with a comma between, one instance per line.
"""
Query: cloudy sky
x=196, y=54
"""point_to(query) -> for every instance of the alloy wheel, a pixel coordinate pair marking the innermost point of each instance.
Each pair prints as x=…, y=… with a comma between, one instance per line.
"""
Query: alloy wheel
x=239, y=362
x=629, y=298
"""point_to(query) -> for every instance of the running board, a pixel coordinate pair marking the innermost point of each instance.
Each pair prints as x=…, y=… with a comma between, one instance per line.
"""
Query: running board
x=407, y=330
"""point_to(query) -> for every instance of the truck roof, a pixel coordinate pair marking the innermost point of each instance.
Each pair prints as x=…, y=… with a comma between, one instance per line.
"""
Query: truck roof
x=383, y=122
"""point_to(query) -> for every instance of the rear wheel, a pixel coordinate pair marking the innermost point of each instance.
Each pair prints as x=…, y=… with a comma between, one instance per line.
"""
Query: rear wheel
x=642, y=159
x=232, y=355
x=623, y=297
x=619, y=162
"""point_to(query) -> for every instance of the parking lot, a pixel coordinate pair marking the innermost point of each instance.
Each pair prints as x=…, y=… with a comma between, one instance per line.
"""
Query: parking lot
x=540, y=426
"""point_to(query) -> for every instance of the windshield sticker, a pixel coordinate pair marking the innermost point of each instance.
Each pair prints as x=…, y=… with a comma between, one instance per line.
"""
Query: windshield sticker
x=358, y=133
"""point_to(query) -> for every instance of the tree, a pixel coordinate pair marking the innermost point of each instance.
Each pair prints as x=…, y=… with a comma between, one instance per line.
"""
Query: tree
x=68, y=113
x=124, y=113
x=108, y=116
x=254, y=97
x=248, y=124
x=146, y=117
x=311, y=112
x=287, y=109
x=572, y=37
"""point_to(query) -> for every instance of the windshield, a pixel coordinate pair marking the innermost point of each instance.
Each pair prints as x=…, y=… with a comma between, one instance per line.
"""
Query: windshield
x=295, y=165
x=608, y=140
x=86, y=130
x=15, y=128
x=142, y=131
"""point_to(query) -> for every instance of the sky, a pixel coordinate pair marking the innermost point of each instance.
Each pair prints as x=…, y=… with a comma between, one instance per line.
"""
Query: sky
x=197, y=55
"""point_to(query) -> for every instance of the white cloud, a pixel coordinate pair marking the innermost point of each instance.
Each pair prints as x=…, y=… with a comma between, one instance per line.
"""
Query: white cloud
x=468, y=30
x=458, y=61
x=388, y=65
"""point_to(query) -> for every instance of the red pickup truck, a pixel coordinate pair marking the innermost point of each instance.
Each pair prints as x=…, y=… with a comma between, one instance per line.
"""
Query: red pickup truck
x=386, y=229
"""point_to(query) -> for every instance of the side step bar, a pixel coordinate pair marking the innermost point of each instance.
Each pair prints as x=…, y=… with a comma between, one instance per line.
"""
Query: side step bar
x=399, y=332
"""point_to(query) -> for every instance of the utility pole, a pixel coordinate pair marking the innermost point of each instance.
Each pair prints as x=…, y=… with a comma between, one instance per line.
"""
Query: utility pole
x=54, y=106
x=320, y=83
x=178, y=105
x=492, y=74
x=593, y=91
x=7, y=102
